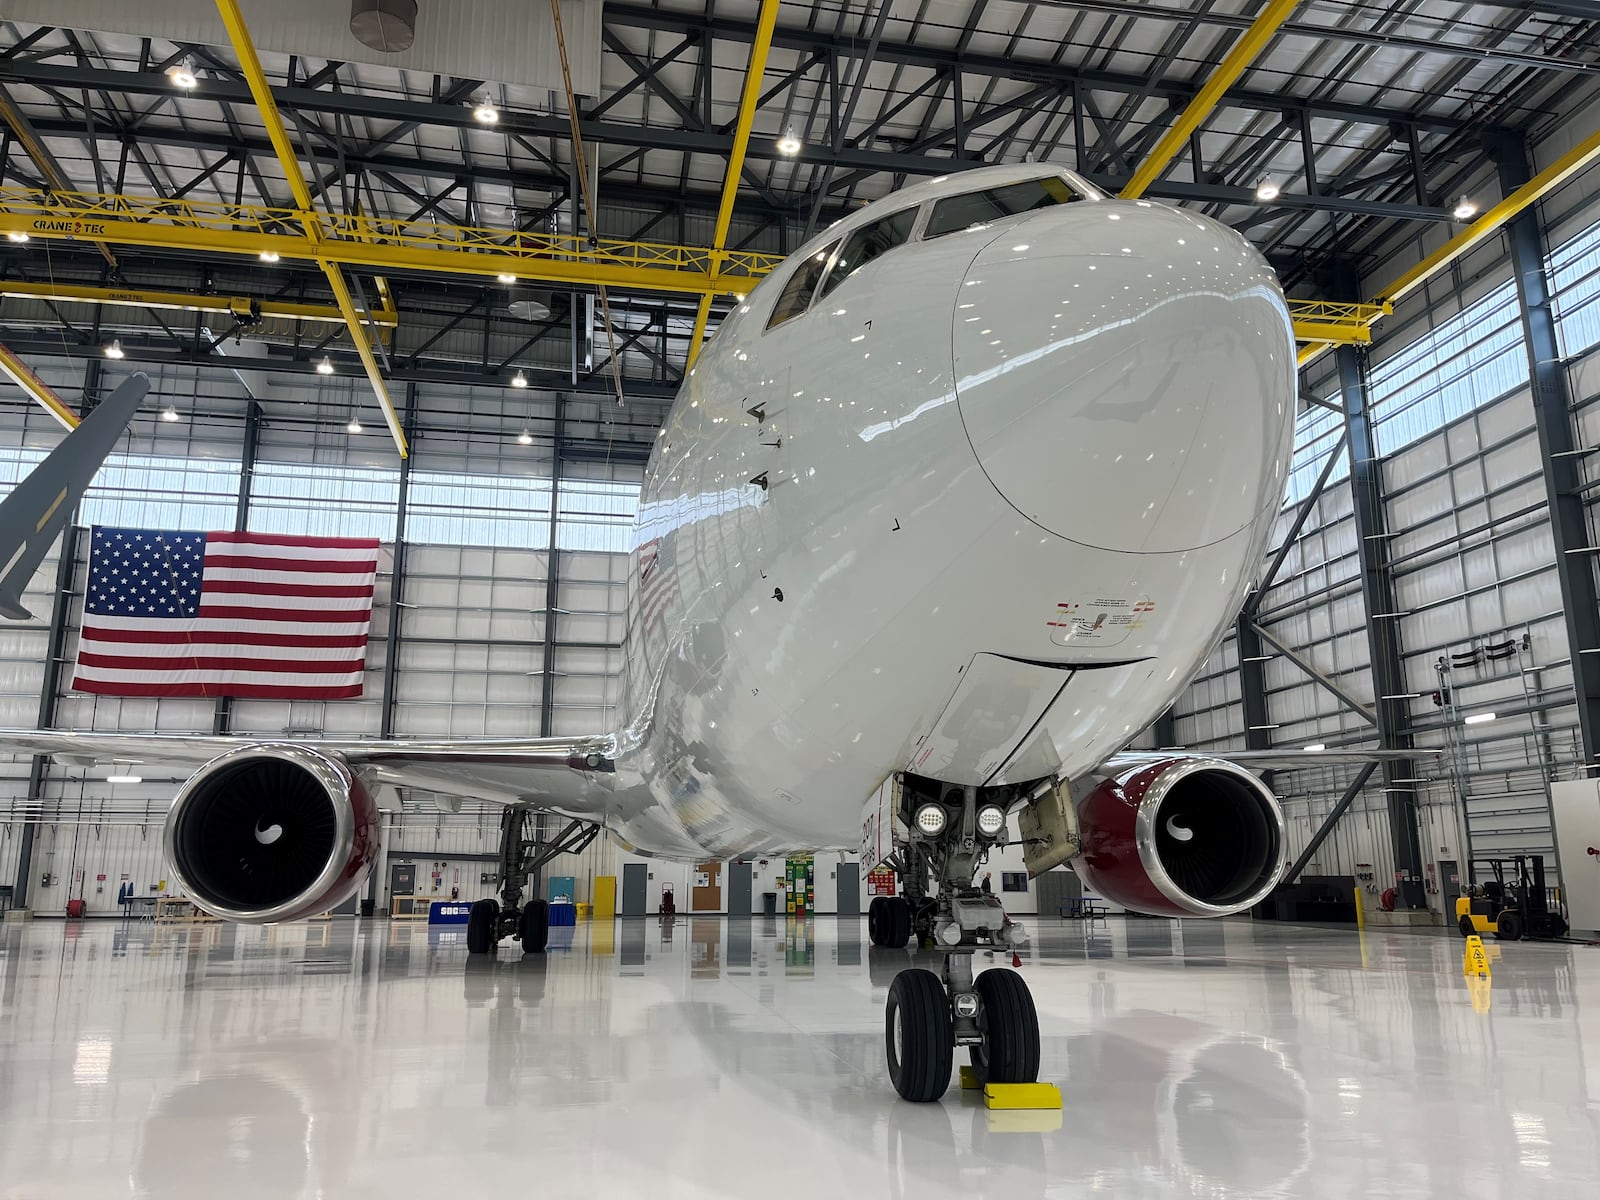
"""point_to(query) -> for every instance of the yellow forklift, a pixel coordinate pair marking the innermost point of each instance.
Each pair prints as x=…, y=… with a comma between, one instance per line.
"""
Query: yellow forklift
x=1511, y=910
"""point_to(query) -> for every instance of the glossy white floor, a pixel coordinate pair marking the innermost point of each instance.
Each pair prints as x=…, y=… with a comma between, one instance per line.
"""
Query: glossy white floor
x=745, y=1059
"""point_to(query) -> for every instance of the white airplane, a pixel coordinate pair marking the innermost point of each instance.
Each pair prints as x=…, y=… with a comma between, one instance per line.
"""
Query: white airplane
x=954, y=505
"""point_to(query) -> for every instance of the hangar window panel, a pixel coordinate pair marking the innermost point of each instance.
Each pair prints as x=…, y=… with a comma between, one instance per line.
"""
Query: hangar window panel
x=316, y=500
x=1574, y=269
x=596, y=514
x=163, y=492
x=980, y=208
x=1472, y=358
x=1316, y=432
x=450, y=508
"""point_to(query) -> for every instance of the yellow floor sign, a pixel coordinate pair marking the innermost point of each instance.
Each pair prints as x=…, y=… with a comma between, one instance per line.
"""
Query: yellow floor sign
x=1475, y=966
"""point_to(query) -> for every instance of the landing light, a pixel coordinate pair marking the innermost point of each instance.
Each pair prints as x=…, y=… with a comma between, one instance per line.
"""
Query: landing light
x=931, y=818
x=991, y=820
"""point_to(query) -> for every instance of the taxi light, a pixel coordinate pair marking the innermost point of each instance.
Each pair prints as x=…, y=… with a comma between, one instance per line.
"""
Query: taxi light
x=931, y=818
x=991, y=820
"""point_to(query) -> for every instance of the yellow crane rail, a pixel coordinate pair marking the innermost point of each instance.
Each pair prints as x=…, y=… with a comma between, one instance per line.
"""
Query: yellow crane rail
x=378, y=243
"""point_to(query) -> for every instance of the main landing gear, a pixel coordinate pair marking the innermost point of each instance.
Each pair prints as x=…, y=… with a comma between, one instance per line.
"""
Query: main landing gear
x=520, y=856
x=929, y=1015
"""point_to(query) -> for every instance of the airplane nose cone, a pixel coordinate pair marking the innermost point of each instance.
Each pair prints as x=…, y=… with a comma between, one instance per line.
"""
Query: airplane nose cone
x=1126, y=375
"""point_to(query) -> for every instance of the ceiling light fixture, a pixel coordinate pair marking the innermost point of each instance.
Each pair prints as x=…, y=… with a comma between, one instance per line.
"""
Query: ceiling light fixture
x=325, y=367
x=1267, y=189
x=486, y=111
x=519, y=380
x=1477, y=718
x=114, y=350
x=16, y=235
x=1465, y=209
x=124, y=779
x=169, y=413
x=788, y=144
x=506, y=277
x=355, y=424
x=524, y=438
x=1315, y=746
x=182, y=75
x=269, y=256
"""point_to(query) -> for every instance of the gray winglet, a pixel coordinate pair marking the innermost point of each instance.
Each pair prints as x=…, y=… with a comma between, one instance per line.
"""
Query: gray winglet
x=39, y=507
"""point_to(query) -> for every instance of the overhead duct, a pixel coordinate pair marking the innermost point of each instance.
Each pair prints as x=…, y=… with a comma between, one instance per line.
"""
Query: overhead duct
x=389, y=26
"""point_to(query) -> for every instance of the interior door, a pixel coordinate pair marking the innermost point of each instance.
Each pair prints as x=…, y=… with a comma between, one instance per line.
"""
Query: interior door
x=739, y=880
x=848, y=878
x=633, y=885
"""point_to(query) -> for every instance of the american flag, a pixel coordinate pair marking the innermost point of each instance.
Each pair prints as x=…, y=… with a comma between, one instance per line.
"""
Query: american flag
x=257, y=615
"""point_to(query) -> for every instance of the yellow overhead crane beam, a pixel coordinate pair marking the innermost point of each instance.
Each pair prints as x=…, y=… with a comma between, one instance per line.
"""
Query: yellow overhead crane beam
x=305, y=211
x=239, y=307
x=1243, y=52
x=21, y=374
x=765, y=24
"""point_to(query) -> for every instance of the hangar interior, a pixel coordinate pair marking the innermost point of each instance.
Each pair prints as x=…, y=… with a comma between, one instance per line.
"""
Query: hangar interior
x=1430, y=581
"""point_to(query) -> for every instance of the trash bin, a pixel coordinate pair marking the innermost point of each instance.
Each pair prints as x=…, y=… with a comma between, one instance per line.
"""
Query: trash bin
x=769, y=904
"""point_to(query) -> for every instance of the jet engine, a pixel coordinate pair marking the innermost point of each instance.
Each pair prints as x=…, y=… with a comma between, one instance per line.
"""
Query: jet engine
x=272, y=833
x=1181, y=837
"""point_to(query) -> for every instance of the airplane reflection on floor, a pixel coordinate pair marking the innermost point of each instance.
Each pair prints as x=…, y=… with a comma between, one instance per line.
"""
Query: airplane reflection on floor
x=1198, y=1059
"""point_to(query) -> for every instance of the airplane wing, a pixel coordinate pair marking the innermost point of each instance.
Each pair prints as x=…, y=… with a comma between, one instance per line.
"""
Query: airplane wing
x=1274, y=760
x=563, y=774
x=38, y=507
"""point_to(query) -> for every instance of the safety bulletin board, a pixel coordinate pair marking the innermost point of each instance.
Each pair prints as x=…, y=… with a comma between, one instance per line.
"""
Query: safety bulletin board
x=880, y=882
x=800, y=885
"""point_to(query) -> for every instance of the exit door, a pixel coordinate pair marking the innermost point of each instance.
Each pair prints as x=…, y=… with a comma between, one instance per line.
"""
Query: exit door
x=1449, y=885
x=739, y=889
x=848, y=876
x=633, y=885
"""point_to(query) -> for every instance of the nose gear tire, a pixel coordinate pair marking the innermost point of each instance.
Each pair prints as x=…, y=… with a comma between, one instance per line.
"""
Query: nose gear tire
x=481, y=922
x=1010, y=1024
x=534, y=927
x=918, y=1039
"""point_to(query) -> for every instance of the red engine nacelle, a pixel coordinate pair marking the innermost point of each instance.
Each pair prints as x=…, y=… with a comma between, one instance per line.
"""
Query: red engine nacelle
x=272, y=833
x=1181, y=837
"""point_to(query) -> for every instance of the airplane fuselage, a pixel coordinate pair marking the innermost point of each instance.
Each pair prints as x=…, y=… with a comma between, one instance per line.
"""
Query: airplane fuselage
x=979, y=510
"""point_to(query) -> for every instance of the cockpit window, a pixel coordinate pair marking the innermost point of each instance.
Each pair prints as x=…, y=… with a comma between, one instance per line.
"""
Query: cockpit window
x=867, y=243
x=796, y=295
x=955, y=213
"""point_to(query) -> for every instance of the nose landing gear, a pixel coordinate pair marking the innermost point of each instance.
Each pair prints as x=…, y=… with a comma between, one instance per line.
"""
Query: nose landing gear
x=928, y=1016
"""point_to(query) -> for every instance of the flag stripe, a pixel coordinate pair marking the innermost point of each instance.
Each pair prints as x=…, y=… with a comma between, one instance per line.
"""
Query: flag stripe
x=242, y=587
x=252, y=541
x=148, y=663
x=291, y=608
x=220, y=563
x=225, y=637
x=232, y=687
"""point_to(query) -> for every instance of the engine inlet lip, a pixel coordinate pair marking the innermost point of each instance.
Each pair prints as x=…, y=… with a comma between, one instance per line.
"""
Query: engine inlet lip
x=1146, y=827
x=333, y=778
